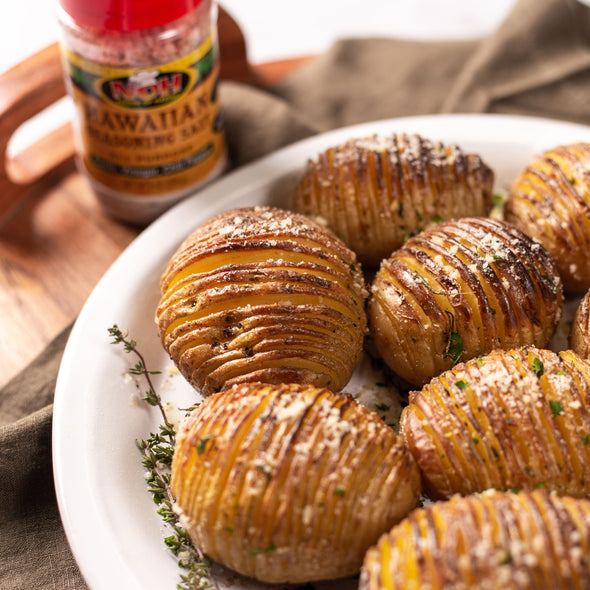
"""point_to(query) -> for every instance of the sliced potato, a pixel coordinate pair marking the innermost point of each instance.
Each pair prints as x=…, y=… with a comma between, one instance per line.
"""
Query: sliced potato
x=579, y=335
x=492, y=541
x=460, y=289
x=262, y=294
x=289, y=483
x=375, y=191
x=511, y=419
x=550, y=200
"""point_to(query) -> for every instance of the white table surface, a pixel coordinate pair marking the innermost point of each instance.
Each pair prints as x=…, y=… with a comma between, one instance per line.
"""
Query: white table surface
x=273, y=29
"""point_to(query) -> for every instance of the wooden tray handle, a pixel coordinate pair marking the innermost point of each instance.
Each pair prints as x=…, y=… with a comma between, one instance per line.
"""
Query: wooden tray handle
x=36, y=83
x=26, y=90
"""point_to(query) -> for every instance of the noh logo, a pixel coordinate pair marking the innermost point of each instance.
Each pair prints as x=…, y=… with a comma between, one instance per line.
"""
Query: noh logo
x=145, y=88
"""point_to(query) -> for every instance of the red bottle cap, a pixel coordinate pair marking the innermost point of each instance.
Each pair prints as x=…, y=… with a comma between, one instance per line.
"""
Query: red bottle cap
x=127, y=15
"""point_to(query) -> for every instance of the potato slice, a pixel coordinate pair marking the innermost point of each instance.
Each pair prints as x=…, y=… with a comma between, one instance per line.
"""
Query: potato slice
x=375, y=191
x=460, y=289
x=550, y=200
x=579, y=335
x=511, y=419
x=289, y=483
x=262, y=294
x=492, y=541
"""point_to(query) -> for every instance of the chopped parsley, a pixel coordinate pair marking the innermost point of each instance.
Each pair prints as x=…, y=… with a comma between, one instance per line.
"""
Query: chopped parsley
x=202, y=442
x=498, y=199
x=538, y=366
x=556, y=407
x=455, y=347
x=455, y=342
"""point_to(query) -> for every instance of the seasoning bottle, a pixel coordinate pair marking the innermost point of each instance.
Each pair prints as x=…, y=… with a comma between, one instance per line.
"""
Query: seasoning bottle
x=143, y=76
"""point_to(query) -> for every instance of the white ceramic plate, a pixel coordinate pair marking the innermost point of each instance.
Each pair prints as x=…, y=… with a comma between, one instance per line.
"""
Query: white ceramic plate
x=108, y=515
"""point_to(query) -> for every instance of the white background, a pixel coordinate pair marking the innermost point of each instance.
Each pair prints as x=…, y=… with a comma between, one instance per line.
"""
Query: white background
x=280, y=29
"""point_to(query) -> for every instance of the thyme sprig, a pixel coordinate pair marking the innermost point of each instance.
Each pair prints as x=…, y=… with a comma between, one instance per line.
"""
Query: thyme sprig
x=157, y=451
x=140, y=370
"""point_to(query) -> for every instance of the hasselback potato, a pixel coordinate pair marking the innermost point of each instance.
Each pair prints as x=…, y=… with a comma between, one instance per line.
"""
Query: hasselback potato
x=262, y=294
x=375, y=191
x=510, y=419
x=550, y=200
x=289, y=483
x=492, y=541
x=579, y=335
x=460, y=289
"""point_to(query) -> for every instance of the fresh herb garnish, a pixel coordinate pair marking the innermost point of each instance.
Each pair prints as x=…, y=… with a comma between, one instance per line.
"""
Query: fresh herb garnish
x=498, y=199
x=202, y=442
x=157, y=451
x=455, y=341
x=537, y=366
x=556, y=407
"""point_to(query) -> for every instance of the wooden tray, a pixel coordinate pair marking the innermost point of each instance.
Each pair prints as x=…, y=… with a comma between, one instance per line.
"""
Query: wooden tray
x=55, y=242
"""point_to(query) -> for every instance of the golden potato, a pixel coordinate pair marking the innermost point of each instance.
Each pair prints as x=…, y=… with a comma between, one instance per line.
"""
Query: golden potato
x=579, y=335
x=550, y=200
x=289, y=483
x=375, y=191
x=492, y=541
x=262, y=294
x=460, y=289
x=511, y=419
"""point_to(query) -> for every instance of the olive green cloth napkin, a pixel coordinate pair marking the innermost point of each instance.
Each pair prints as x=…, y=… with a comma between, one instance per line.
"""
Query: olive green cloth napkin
x=537, y=63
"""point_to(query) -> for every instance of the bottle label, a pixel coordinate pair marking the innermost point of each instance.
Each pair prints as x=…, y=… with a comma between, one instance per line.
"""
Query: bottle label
x=149, y=131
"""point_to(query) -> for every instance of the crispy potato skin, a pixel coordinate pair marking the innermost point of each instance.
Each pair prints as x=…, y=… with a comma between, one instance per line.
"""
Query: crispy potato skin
x=492, y=541
x=375, y=191
x=460, y=289
x=579, y=335
x=262, y=294
x=289, y=483
x=550, y=200
x=511, y=419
